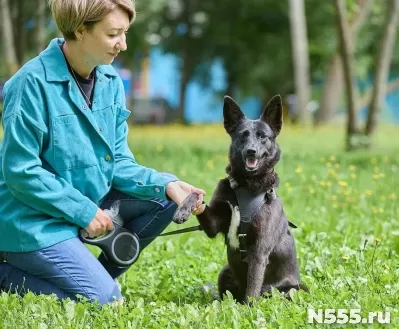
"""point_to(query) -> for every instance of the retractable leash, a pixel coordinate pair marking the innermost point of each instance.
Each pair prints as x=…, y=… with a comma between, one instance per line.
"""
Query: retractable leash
x=119, y=245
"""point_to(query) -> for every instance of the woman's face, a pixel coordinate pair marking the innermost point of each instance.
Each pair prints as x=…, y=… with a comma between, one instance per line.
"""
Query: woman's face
x=102, y=43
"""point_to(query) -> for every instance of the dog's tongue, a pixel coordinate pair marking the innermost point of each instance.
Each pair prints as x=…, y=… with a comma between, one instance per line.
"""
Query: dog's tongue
x=252, y=163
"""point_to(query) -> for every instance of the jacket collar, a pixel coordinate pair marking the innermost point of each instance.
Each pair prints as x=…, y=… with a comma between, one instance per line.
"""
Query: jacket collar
x=56, y=68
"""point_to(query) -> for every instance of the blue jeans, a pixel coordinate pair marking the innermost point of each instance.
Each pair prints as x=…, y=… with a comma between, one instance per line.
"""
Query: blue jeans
x=68, y=268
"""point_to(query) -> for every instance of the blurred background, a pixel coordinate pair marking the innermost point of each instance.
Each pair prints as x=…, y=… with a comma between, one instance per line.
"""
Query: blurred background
x=333, y=62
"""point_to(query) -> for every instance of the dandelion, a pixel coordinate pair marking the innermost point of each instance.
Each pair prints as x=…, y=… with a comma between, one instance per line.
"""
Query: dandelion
x=352, y=168
x=312, y=190
x=377, y=240
x=373, y=160
x=287, y=185
x=332, y=173
x=353, y=176
x=368, y=192
x=322, y=183
x=333, y=197
x=210, y=164
x=381, y=210
x=382, y=175
x=329, y=184
x=298, y=170
x=328, y=165
x=332, y=158
x=376, y=170
x=337, y=165
x=313, y=178
x=342, y=183
x=346, y=257
x=383, y=198
x=392, y=196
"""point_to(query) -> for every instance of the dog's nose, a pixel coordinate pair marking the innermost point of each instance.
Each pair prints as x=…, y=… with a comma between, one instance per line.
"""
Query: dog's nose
x=251, y=152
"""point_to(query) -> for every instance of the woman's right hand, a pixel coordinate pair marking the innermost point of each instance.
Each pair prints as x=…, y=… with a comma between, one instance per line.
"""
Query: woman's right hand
x=100, y=224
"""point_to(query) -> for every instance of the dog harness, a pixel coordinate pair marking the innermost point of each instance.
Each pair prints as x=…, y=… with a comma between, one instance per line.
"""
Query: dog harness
x=249, y=204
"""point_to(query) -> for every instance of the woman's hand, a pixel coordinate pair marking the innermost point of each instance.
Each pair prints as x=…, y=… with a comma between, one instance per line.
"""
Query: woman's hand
x=100, y=224
x=179, y=190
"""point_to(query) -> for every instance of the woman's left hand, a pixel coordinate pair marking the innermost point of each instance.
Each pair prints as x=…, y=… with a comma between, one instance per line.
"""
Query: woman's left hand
x=179, y=190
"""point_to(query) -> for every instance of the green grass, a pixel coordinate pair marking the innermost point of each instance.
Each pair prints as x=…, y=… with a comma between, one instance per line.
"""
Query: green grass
x=337, y=200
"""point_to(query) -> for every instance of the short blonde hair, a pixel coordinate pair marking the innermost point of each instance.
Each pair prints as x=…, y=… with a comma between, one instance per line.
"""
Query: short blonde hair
x=69, y=15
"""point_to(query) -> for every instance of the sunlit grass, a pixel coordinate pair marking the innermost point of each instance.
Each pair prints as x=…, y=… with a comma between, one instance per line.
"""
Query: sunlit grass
x=345, y=207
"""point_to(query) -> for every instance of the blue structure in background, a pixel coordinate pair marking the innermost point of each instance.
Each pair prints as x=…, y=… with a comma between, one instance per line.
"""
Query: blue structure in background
x=202, y=104
x=205, y=104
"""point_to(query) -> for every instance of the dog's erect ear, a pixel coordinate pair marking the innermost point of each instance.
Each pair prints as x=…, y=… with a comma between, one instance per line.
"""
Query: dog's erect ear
x=273, y=114
x=232, y=114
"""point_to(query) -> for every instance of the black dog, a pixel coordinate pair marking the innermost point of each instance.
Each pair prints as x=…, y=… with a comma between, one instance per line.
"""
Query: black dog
x=245, y=208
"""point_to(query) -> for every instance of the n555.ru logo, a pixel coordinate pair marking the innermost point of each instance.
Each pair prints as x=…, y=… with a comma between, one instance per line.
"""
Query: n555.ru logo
x=342, y=315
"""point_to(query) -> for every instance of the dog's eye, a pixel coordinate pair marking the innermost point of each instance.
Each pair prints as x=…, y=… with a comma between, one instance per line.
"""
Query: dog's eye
x=245, y=133
x=260, y=134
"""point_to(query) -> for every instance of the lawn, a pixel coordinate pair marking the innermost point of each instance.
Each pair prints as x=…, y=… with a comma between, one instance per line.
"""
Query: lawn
x=345, y=207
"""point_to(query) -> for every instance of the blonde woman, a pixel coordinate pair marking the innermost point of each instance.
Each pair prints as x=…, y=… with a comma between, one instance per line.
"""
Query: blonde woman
x=64, y=157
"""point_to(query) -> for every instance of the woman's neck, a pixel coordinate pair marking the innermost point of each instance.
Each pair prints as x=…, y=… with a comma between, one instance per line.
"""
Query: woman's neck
x=75, y=59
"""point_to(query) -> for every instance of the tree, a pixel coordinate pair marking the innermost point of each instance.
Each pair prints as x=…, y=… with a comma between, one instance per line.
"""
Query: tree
x=333, y=77
x=384, y=59
x=9, y=54
x=347, y=54
x=300, y=56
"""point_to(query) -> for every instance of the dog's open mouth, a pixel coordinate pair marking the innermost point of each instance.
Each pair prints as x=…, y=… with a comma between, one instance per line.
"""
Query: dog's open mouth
x=251, y=163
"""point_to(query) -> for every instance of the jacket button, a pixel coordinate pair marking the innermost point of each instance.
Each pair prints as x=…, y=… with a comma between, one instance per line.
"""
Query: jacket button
x=107, y=157
x=84, y=107
x=100, y=129
x=157, y=189
x=109, y=183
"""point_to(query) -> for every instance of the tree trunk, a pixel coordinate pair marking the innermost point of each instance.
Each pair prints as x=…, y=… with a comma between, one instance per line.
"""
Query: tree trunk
x=40, y=30
x=347, y=54
x=332, y=90
x=185, y=78
x=9, y=56
x=383, y=62
x=300, y=56
x=20, y=33
x=334, y=84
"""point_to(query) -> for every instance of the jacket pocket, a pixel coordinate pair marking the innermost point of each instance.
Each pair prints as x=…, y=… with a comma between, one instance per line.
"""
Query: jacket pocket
x=71, y=143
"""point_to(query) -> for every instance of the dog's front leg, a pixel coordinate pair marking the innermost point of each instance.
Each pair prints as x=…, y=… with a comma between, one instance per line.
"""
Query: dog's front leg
x=258, y=256
x=214, y=218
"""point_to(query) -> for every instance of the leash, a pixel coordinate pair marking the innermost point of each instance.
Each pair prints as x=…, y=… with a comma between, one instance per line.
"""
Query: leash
x=183, y=230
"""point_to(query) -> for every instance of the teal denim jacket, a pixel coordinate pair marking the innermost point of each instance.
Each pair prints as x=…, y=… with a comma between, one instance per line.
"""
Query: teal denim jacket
x=58, y=157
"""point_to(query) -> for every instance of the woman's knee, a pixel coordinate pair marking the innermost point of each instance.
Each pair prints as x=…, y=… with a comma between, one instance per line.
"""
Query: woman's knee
x=104, y=294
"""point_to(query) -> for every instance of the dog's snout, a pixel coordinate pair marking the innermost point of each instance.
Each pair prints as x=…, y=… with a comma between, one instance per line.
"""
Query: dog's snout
x=251, y=152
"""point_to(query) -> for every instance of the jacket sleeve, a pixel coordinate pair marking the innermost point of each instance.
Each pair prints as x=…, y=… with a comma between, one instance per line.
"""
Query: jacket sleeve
x=25, y=131
x=130, y=177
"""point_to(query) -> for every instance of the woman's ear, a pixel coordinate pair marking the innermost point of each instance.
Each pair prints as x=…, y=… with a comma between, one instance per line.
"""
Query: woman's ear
x=79, y=33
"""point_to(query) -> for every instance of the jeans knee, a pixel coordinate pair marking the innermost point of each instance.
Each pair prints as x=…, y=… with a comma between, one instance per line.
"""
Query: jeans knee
x=106, y=294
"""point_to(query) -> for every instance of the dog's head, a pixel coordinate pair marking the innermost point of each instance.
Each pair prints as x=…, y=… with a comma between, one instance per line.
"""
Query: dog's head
x=253, y=142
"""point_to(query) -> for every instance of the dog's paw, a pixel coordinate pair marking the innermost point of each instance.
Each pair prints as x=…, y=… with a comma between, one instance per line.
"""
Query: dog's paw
x=183, y=211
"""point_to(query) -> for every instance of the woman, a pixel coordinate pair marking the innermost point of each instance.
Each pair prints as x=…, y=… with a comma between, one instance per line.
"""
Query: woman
x=65, y=157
